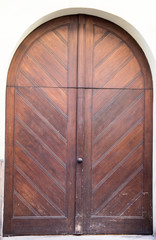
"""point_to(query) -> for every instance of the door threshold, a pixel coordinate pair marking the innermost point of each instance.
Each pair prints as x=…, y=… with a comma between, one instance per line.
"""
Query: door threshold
x=83, y=237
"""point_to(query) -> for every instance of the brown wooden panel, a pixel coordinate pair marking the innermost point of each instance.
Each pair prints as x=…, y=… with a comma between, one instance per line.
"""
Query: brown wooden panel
x=112, y=110
x=34, y=196
x=115, y=181
x=44, y=176
x=36, y=148
x=22, y=207
x=57, y=45
x=117, y=128
x=120, y=204
x=121, y=151
x=133, y=225
x=148, y=160
x=113, y=57
x=34, y=173
x=78, y=87
x=44, y=58
x=41, y=103
x=49, y=63
x=114, y=164
x=9, y=154
x=111, y=43
x=44, y=130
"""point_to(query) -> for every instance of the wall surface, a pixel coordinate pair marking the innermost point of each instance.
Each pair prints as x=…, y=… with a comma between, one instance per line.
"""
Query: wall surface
x=18, y=18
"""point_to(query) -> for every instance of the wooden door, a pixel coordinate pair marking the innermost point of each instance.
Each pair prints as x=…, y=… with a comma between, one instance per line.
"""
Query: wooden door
x=118, y=133
x=41, y=130
x=78, y=87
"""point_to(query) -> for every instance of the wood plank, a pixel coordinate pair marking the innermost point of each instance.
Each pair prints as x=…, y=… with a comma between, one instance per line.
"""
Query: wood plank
x=89, y=53
x=63, y=32
x=56, y=45
x=42, y=226
x=111, y=66
x=35, y=173
x=36, y=148
x=123, y=80
x=125, y=148
x=44, y=106
x=106, y=190
x=71, y=163
x=30, y=39
x=87, y=164
x=99, y=33
x=116, y=225
x=9, y=154
x=148, y=136
x=111, y=43
x=79, y=166
x=133, y=46
x=21, y=207
x=73, y=54
x=134, y=206
x=117, y=128
x=113, y=109
x=43, y=130
x=34, y=74
x=48, y=63
x=118, y=205
x=80, y=127
x=34, y=196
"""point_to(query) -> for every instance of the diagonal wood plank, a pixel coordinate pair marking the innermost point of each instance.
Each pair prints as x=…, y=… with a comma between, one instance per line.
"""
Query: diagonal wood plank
x=35, y=174
x=134, y=206
x=111, y=66
x=116, y=205
x=32, y=70
x=27, y=104
x=48, y=62
x=121, y=79
x=104, y=203
x=113, y=170
x=44, y=206
x=42, y=168
x=99, y=33
x=120, y=151
x=138, y=100
x=63, y=33
x=118, y=177
x=111, y=42
x=21, y=207
x=113, y=109
x=117, y=129
x=57, y=47
x=26, y=129
x=41, y=130
x=57, y=96
x=46, y=108
x=40, y=153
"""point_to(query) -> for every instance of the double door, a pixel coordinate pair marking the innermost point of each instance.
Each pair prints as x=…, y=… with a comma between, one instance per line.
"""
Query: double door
x=78, y=132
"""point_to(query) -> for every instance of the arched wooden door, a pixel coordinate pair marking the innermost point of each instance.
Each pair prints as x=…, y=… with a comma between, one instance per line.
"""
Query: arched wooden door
x=78, y=132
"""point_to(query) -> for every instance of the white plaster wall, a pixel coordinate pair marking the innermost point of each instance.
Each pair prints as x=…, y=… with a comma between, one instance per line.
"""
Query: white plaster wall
x=19, y=17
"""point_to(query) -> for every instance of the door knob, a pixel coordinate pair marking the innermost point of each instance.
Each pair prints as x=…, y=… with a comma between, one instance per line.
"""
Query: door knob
x=79, y=160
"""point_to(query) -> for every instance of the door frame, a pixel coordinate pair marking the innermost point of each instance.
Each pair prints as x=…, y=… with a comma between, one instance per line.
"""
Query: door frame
x=106, y=16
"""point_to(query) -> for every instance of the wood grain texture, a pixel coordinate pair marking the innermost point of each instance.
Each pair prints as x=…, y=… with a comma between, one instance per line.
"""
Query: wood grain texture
x=115, y=134
x=41, y=118
x=78, y=87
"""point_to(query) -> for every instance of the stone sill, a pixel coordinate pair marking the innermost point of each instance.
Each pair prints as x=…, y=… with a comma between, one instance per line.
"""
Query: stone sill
x=84, y=237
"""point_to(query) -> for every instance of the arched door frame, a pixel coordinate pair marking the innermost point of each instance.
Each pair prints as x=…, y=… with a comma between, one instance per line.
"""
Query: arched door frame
x=132, y=31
